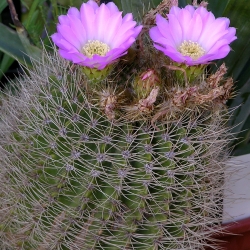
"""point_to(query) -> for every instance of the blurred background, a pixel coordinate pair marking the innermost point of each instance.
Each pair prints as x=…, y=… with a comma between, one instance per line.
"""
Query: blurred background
x=38, y=20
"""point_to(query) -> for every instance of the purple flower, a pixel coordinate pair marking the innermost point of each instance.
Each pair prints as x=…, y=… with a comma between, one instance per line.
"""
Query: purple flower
x=95, y=36
x=192, y=36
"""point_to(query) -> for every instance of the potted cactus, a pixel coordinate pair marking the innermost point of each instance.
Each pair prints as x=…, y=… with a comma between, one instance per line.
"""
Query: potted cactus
x=118, y=139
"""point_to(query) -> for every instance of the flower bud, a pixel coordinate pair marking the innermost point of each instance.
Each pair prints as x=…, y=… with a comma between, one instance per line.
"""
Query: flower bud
x=95, y=75
x=145, y=83
x=191, y=73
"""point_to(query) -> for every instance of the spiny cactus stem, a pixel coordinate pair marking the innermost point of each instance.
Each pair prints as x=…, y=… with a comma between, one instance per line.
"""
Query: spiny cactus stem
x=86, y=182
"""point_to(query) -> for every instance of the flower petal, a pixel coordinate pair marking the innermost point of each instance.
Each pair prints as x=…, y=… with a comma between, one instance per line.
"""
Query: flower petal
x=63, y=20
x=75, y=57
x=74, y=12
x=190, y=9
x=195, y=26
x=163, y=26
x=185, y=18
x=128, y=17
x=93, y=5
x=67, y=33
x=175, y=29
x=230, y=36
x=112, y=7
x=175, y=10
x=100, y=25
x=62, y=43
x=87, y=14
x=95, y=23
x=156, y=36
x=114, y=24
x=213, y=32
x=78, y=29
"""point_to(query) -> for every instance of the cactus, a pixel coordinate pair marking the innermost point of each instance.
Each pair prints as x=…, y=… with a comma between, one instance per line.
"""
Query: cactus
x=105, y=165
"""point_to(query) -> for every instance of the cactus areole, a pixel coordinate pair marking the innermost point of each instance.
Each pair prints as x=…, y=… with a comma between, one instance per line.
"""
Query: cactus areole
x=110, y=143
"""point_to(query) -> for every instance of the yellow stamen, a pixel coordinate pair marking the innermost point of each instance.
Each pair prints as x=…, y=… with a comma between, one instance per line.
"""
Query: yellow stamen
x=95, y=47
x=191, y=49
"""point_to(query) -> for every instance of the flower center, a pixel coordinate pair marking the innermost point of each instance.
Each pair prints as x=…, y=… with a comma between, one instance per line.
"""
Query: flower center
x=191, y=49
x=95, y=47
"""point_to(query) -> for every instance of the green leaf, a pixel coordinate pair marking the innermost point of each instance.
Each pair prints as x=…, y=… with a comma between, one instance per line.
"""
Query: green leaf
x=3, y=5
x=242, y=113
x=34, y=6
x=11, y=45
x=238, y=63
x=5, y=63
x=137, y=7
x=183, y=3
x=67, y=3
x=242, y=151
x=17, y=46
x=238, y=13
x=31, y=50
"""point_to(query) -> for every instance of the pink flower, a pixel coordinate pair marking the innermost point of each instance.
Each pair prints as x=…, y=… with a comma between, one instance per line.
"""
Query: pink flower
x=95, y=36
x=192, y=36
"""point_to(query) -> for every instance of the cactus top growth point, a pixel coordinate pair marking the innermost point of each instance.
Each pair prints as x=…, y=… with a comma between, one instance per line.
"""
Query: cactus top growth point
x=133, y=160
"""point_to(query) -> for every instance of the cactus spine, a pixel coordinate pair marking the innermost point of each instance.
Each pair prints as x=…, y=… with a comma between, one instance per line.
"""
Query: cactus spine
x=112, y=167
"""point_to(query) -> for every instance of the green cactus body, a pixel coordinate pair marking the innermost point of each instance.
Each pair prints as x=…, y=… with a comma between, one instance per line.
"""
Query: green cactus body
x=73, y=179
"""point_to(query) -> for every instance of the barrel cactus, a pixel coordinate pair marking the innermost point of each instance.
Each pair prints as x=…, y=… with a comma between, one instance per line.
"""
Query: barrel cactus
x=118, y=150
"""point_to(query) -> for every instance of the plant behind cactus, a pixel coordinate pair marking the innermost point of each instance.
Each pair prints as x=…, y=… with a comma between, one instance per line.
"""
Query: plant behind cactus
x=113, y=162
